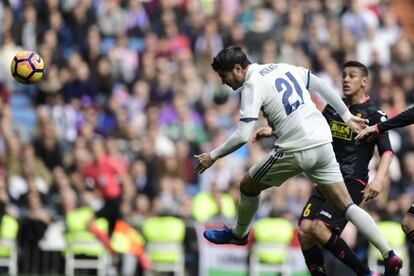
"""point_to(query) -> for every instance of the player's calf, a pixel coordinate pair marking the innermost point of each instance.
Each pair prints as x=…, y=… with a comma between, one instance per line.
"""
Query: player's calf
x=312, y=252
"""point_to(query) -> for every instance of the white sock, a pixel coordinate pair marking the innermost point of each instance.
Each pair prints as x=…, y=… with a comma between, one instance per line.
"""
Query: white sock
x=366, y=225
x=247, y=208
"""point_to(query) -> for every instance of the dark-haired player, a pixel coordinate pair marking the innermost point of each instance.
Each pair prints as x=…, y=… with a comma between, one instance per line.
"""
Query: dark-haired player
x=303, y=143
x=319, y=223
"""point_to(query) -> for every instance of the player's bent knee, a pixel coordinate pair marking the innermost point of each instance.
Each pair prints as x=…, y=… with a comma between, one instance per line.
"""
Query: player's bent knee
x=250, y=187
x=305, y=231
x=318, y=228
x=306, y=238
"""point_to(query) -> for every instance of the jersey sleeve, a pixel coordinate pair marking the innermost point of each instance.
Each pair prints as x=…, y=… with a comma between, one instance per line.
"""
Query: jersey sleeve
x=235, y=141
x=250, y=103
x=403, y=119
x=304, y=75
x=383, y=140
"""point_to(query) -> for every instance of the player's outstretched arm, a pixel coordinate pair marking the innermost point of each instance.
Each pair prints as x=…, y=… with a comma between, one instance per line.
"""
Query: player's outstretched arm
x=373, y=188
x=237, y=139
x=403, y=119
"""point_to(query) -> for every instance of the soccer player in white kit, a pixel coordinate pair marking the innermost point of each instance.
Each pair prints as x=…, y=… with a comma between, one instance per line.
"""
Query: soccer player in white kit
x=303, y=143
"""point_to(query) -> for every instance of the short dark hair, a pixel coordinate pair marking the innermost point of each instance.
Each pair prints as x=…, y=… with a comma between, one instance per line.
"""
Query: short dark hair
x=357, y=64
x=228, y=57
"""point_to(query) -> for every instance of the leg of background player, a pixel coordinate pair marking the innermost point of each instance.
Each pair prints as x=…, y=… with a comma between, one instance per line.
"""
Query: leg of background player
x=311, y=250
x=337, y=195
x=338, y=247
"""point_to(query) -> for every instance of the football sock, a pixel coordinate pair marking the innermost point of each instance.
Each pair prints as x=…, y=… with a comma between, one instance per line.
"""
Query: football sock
x=246, y=211
x=410, y=236
x=366, y=225
x=338, y=247
x=103, y=237
x=314, y=261
x=144, y=262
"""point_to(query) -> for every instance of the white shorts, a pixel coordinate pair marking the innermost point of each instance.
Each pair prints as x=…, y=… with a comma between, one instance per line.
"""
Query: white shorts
x=318, y=163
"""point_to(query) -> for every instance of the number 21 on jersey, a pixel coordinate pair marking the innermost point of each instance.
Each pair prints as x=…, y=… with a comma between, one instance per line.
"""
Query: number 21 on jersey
x=285, y=87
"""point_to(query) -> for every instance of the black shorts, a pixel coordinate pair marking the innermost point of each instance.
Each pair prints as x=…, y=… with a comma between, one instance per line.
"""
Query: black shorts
x=111, y=210
x=318, y=208
x=411, y=210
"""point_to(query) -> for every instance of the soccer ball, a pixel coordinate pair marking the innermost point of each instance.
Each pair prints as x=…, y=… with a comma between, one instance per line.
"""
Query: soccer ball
x=27, y=67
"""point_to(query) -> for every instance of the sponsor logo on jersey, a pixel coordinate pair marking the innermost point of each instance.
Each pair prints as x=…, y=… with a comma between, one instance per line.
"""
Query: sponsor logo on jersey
x=341, y=130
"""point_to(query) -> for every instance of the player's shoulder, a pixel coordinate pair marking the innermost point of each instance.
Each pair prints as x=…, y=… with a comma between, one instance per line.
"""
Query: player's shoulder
x=371, y=107
x=283, y=65
x=368, y=107
x=249, y=86
x=374, y=113
x=265, y=68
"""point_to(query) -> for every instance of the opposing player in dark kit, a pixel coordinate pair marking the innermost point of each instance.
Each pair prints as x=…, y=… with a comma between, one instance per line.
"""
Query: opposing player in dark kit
x=319, y=223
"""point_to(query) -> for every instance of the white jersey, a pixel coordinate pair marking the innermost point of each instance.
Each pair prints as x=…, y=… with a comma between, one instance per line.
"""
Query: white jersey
x=280, y=91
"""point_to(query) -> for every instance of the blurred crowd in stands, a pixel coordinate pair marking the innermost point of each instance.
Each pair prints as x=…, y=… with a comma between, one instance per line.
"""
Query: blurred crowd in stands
x=130, y=82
